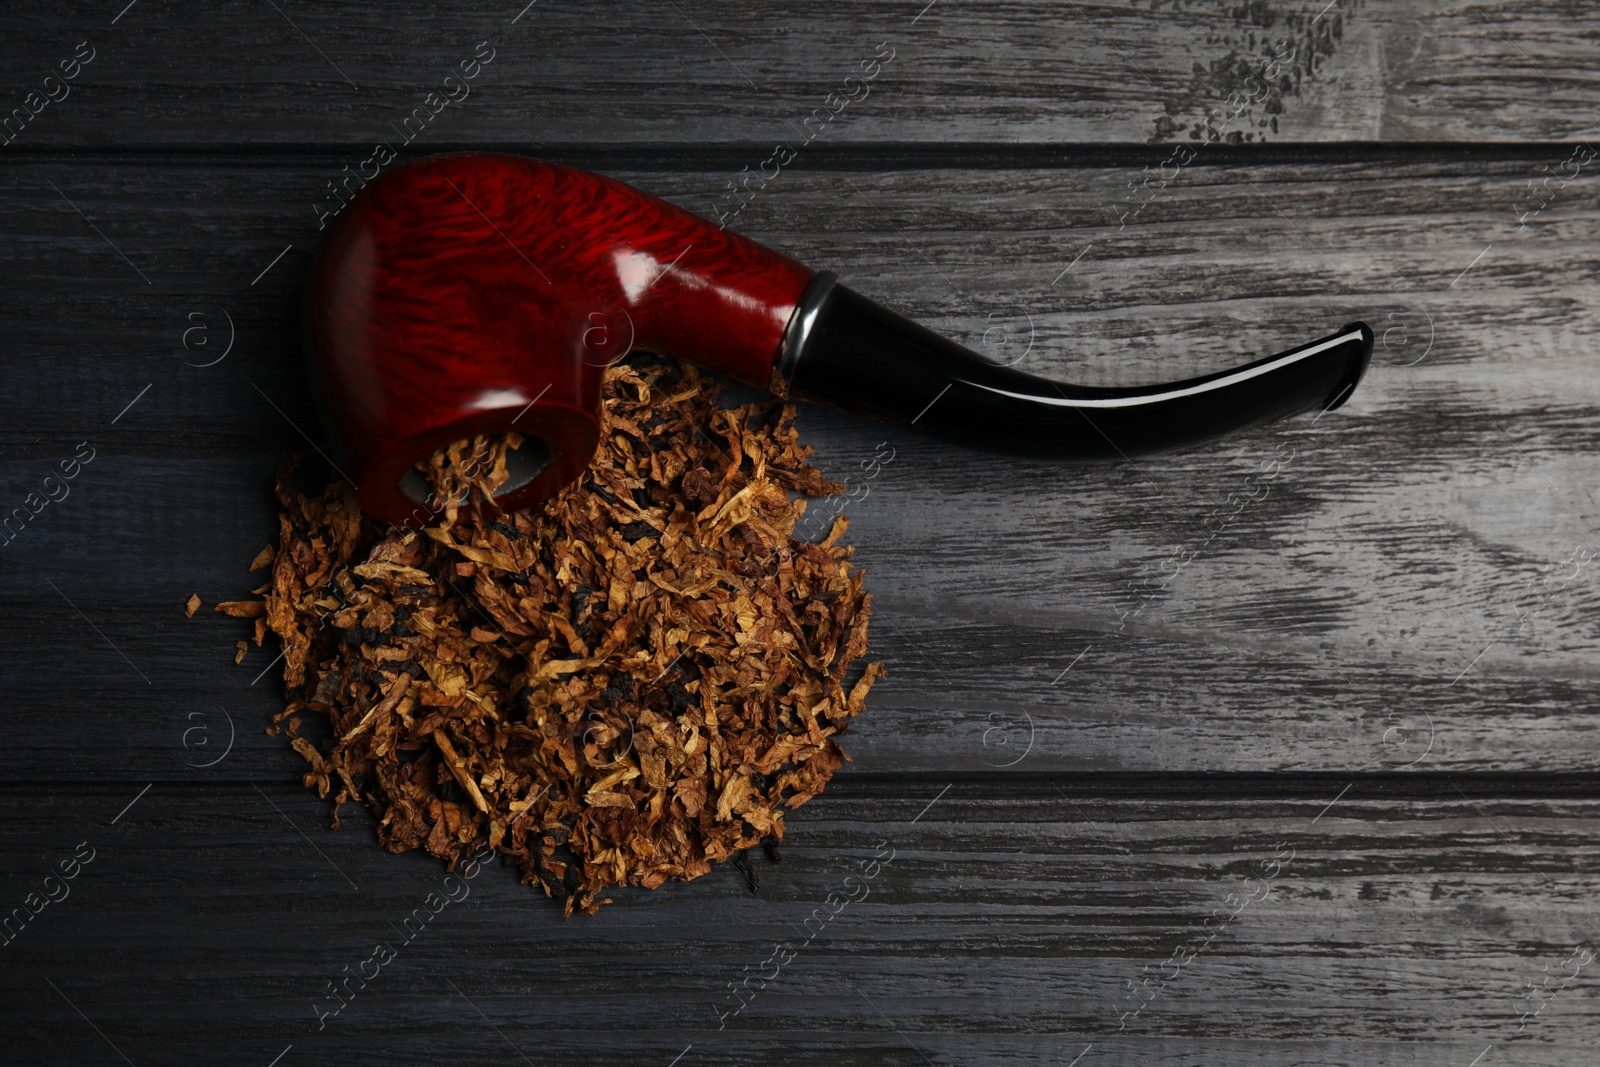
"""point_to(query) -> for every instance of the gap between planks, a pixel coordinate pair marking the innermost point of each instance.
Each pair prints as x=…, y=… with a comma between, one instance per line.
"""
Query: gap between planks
x=908, y=155
x=1308, y=786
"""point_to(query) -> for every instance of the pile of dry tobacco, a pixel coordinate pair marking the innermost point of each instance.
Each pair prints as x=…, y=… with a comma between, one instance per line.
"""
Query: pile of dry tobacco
x=619, y=686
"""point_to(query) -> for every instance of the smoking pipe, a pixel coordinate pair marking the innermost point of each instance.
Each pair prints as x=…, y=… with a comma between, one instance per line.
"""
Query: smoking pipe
x=480, y=293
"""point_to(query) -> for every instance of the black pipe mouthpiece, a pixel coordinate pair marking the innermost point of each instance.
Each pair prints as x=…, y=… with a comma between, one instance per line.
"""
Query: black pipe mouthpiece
x=846, y=351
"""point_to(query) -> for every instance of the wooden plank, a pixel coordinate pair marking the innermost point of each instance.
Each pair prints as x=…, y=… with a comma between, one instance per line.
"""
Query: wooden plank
x=721, y=72
x=1011, y=926
x=1401, y=593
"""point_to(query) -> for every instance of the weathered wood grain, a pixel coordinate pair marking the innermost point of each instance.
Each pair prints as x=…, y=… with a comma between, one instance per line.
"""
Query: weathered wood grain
x=1114, y=694
x=723, y=72
x=1399, y=593
x=1008, y=928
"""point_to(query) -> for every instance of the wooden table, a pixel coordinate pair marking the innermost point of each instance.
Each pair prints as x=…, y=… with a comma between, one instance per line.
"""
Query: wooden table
x=1280, y=751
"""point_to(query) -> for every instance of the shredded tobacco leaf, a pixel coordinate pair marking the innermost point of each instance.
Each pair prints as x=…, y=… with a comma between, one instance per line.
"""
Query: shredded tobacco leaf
x=469, y=471
x=620, y=686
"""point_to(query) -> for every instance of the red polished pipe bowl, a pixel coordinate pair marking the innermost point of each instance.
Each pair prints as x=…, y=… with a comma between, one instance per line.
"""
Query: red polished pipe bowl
x=481, y=293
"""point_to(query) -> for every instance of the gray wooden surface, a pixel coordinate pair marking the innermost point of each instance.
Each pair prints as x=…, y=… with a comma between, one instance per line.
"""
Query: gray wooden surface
x=242, y=73
x=1380, y=660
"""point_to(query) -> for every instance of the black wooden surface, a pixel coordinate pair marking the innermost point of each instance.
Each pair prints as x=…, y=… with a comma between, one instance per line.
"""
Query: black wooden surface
x=1375, y=680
